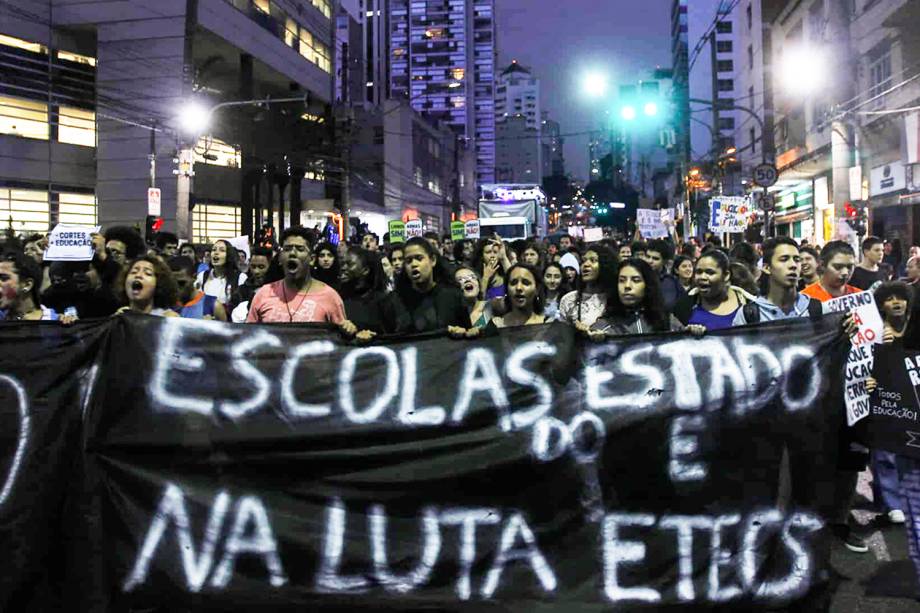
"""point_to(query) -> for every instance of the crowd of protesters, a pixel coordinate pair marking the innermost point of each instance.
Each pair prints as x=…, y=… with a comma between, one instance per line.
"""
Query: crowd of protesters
x=468, y=288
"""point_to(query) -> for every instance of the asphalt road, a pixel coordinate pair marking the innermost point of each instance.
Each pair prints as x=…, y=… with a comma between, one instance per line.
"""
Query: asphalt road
x=887, y=543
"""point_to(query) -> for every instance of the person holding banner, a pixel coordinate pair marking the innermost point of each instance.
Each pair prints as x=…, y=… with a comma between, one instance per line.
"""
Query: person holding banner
x=298, y=297
x=368, y=306
x=894, y=301
x=148, y=287
x=20, y=279
x=587, y=303
x=524, y=300
x=427, y=291
x=837, y=264
x=480, y=310
x=636, y=307
x=715, y=300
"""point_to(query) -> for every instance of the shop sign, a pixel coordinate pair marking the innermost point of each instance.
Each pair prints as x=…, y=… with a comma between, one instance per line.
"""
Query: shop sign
x=887, y=178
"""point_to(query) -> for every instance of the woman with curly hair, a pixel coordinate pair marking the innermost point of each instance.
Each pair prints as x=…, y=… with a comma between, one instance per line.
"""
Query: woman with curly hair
x=223, y=278
x=147, y=287
x=596, y=284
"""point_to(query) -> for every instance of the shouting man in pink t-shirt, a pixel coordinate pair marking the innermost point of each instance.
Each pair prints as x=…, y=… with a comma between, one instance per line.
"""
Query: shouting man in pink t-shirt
x=298, y=297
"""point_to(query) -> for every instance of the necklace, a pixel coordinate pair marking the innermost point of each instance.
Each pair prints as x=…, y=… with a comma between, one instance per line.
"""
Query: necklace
x=287, y=304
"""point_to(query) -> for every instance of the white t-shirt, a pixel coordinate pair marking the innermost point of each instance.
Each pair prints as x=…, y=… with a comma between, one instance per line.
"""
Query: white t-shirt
x=217, y=286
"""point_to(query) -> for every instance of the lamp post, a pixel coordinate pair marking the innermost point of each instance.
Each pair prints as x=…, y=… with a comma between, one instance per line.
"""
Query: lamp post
x=194, y=120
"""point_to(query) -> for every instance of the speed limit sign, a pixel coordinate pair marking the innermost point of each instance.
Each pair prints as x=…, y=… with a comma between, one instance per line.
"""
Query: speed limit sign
x=765, y=175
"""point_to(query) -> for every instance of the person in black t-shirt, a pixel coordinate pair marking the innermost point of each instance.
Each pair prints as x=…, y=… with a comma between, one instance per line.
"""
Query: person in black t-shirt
x=868, y=273
x=425, y=289
x=368, y=306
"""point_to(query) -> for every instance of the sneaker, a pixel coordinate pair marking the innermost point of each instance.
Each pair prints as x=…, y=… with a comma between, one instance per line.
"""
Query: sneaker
x=896, y=516
x=850, y=540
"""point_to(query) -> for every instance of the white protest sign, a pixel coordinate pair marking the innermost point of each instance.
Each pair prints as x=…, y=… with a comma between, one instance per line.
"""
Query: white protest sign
x=860, y=358
x=241, y=243
x=472, y=229
x=153, y=201
x=70, y=243
x=729, y=214
x=413, y=228
x=651, y=222
x=592, y=235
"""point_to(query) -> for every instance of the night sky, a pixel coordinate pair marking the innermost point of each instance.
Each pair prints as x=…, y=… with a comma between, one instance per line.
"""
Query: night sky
x=560, y=40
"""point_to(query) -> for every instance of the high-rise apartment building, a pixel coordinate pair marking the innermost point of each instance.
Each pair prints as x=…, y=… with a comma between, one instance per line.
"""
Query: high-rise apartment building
x=442, y=59
x=517, y=92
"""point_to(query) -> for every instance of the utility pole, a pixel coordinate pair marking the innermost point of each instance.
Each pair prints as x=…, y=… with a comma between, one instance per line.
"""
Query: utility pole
x=344, y=126
x=153, y=156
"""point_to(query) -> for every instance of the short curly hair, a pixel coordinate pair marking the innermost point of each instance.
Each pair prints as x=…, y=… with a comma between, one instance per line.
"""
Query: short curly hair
x=165, y=295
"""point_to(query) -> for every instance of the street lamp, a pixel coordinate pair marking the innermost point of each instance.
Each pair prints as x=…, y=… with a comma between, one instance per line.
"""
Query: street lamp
x=803, y=70
x=595, y=84
x=650, y=109
x=628, y=113
x=194, y=118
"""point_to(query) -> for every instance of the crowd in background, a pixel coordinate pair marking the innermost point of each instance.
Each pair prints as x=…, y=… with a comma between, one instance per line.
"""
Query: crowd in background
x=467, y=288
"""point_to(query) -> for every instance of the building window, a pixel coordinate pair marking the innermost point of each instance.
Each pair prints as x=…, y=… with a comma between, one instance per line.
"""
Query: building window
x=76, y=126
x=434, y=186
x=724, y=27
x=723, y=46
x=324, y=7
x=213, y=221
x=290, y=33
x=725, y=66
x=314, y=50
x=262, y=5
x=28, y=210
x=18, y=43
x=749, y=13
x=726, y=123
x=215, y=152
x=750, y=54
x=880, y=69
x=25, y=118
x=76, y=57
x=77, y=209
x=726, y=85
x=419, y=179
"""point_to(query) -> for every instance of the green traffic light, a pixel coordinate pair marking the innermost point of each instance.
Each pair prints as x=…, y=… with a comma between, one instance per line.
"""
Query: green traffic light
x=650, y=109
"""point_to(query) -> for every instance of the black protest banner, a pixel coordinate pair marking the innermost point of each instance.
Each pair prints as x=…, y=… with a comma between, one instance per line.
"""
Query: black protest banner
x=251, y=468
x=45, y=374
x=893, y=422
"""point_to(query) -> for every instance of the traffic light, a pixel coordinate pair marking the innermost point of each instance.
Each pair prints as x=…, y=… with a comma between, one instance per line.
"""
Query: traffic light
x=857, y=216
x=641, y=104
x=152, y=225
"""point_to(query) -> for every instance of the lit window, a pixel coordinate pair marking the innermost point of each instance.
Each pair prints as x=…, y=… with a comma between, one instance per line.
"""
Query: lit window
x=210, y=150
x=290, y=33
x=11, y=41
x=458, y=73
x=77, y=126
x=21, y=117
x=262, y=5
x=78, y=209
x=76, y=57
x=324, y=7
x=434, y=186
x=213, y=221
x=418, y=177
x=28, y=210
x=314, y=50
x=398, y=52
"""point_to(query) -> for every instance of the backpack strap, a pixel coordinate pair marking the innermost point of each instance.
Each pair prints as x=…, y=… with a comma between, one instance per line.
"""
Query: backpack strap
x=751, y=312
x=815, y=310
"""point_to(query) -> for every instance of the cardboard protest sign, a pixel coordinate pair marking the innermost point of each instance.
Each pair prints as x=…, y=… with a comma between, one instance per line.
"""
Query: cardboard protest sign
x=472, y=229
x=241, y=243
x=894, y=421
x=592, y=235
x=71, y=243
x=859, y=361
x=397, y=231
x=457, y=230
x=413, y=228
x=729, y=214
x=651, y=222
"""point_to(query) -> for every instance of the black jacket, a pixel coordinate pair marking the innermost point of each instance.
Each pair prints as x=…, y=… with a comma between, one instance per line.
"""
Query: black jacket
x=436, y=310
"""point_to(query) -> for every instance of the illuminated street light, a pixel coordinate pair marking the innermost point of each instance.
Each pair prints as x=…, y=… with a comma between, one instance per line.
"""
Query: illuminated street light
x=650, y=109
x=194, y=118
x=595, y=84
x=694, y=172
x=628, y=113
x=803, y=70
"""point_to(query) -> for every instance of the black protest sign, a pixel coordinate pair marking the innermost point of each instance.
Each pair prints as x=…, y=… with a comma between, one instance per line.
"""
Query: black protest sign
x=248, y=468
x=45, y=374
x=895, y=404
